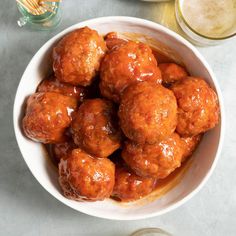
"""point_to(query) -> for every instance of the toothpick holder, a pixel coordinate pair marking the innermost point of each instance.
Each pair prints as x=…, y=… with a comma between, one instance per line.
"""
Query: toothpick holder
x=47, y=20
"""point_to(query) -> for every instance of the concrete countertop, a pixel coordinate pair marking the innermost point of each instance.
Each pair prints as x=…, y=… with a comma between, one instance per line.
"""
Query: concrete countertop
x=27, y=209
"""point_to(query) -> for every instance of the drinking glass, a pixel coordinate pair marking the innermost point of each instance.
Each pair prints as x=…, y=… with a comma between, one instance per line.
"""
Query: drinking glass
x=227, y=28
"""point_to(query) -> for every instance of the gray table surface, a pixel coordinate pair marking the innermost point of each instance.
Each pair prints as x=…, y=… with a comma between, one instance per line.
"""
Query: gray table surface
x=27, y=209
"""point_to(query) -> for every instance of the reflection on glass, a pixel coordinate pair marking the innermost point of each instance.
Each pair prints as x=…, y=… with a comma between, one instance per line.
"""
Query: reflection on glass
x=150, y=232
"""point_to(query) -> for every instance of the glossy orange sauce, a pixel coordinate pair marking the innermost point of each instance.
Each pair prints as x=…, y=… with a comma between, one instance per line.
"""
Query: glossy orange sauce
x=167, y=184
x=164, y=185
x=160, y=57
x=162, y=52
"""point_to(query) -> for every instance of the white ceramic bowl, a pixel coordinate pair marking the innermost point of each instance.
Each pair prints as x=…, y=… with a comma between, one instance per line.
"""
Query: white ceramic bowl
x=204, y=159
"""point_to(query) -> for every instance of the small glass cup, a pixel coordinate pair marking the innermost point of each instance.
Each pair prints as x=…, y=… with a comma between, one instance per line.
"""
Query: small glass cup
x=150, y=232
x=45, y=21
x=195, y=36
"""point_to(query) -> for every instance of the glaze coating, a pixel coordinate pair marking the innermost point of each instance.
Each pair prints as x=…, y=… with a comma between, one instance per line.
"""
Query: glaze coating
x=126, y=64
x=47, y=116
x=83, y=177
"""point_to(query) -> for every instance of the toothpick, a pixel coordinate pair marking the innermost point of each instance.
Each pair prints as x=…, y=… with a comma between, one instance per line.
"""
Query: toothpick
x=48, y=8
x=32, y=5
x=35, y=4
x=28, y=7
x=49, y=1
x=36, y=7
x=23, y=5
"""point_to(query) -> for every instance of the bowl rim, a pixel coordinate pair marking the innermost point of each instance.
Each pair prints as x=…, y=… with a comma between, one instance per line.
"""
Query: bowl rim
x=158, y=27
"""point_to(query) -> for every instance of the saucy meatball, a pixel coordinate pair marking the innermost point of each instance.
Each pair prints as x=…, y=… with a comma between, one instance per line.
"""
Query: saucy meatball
x=53, y=85
x=129, y=186
x=61, y=150
x=47, y=116
x=113, y=41
x=125, y=65
x=83, y=177
x=148, y=112
x=189, y=145
x=94, y=128
x=156, y=160
x=172, y=72
x=198, y=108
x=77, y=57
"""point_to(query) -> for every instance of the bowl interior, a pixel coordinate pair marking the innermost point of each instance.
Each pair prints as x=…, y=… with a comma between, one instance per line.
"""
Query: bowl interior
x=204, y=158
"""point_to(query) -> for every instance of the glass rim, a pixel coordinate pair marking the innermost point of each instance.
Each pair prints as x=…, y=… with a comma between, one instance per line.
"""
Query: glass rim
x=197, y=33
x=146, y=231
x=33, y=17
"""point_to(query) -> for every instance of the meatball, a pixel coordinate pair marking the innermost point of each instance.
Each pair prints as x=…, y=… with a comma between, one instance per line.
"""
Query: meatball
x=53, y=85
x=189, y=145
x=61, y=150
x=129, y=186
x=198, y=108
x=83, y=177
x=156, y=160
x=113, y=41
x=148, y=112
x=125, y=65
x=77, y=57
x=172, y=72
x=94, y=128
x=47, y=116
